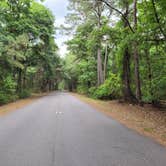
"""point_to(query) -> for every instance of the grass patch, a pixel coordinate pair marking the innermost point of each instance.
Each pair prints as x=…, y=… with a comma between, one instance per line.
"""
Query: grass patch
x=150, y=130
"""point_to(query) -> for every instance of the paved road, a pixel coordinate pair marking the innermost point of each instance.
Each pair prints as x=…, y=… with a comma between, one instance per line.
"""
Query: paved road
x=60, y=130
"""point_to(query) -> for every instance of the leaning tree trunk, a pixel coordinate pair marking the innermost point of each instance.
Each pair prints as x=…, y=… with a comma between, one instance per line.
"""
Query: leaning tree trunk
x=136, y=58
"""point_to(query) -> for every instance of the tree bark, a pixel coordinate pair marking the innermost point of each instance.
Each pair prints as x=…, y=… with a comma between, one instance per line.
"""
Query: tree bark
x=149, y=71
x=24, y=78
x=105, y=62
x=127, y=92
x=19, y=81
x=98, y=10
x=99, y=67
x=136, y=58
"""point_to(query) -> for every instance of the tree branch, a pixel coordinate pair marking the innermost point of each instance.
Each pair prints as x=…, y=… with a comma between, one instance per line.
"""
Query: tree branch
x=157, y=18
x=118, y=11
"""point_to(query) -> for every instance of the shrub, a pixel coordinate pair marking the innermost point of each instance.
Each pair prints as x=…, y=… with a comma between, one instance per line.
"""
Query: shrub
x=8, y=85
x=91, y=91
x=111, y=89
x=61, y=85
x=82, y=89
x=6, y=98
x=7, y=90
x=24, y=94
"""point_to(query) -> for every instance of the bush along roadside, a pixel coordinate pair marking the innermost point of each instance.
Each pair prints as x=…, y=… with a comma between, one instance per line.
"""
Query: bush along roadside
x=8, y=91
x=111, y=89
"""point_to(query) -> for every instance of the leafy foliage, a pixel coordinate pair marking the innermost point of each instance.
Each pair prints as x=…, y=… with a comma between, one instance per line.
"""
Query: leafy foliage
x=7, y=90
x=28, y=52
x=111, y=89
x=120, y=40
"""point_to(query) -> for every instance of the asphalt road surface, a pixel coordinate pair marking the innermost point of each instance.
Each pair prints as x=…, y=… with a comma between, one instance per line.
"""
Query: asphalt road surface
x=60, y=130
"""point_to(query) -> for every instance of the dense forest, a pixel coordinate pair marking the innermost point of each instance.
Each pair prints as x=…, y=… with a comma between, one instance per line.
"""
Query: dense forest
x=28, y=52
x=117, y=50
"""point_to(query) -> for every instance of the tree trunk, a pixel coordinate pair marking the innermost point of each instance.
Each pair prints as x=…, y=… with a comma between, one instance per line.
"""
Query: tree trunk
x=49, y=85
x=137, y=76
x=19, y=81
x=99, y=67
x=100, y=78
x=127, y=93
x=105, y=62
x=136, y=58
x=149, y=71
x=24, y=78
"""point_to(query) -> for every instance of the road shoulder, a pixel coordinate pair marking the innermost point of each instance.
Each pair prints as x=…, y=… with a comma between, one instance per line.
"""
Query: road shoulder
x=10, y=107
x=146, y=120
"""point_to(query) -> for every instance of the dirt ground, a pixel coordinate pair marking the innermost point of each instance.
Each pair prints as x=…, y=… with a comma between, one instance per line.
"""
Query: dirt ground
x=147, y=120
x=7, y=108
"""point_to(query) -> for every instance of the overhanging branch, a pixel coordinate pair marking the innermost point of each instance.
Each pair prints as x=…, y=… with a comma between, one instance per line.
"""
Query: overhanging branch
x=118, y=11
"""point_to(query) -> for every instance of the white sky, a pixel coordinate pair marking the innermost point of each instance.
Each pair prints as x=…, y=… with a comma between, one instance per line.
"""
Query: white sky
x=59, y=9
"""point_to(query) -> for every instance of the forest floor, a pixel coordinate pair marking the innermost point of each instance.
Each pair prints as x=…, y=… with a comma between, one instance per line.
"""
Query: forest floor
x=7, y=108
x=147, y=120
